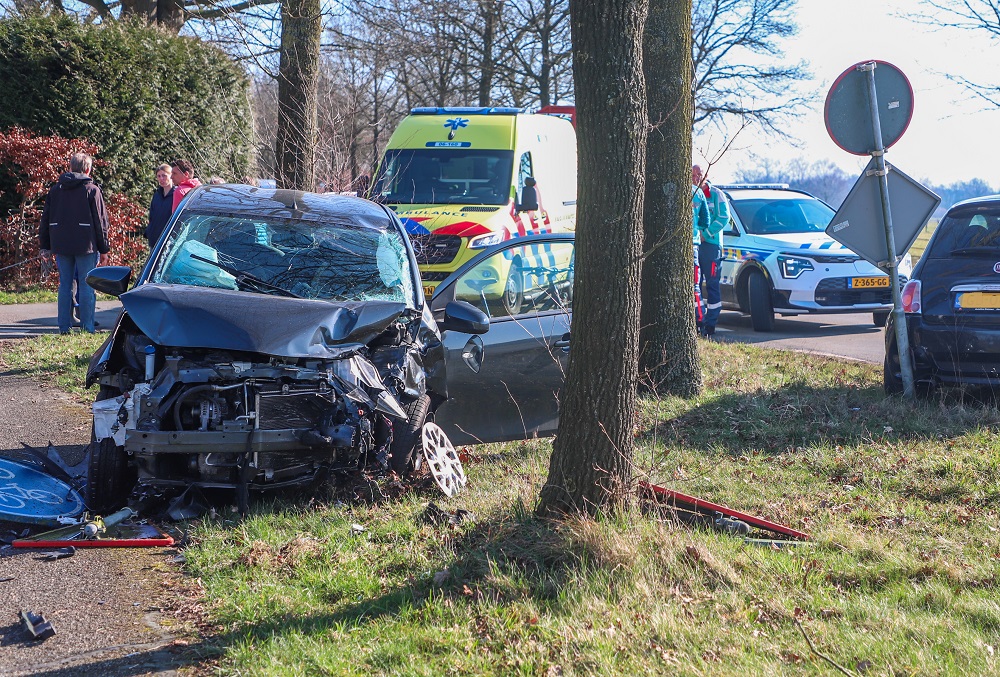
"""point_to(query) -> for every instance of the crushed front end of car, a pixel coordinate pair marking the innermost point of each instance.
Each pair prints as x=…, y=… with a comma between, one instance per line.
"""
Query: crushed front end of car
x=275, y=339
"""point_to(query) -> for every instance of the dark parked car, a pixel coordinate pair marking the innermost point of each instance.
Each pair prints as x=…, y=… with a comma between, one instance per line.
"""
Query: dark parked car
x=952, y=303
x=273, y=337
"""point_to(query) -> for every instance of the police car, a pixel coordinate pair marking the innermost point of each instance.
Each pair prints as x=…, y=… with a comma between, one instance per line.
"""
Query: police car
x=777, y=258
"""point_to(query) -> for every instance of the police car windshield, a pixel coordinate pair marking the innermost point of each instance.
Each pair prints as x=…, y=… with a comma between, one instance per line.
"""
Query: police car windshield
x=446, y=176
x=763, y=216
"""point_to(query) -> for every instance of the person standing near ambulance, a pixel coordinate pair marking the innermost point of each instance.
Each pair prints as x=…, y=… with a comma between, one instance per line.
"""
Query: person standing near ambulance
x=710, y=249
x=182, y=174
x=699, y=221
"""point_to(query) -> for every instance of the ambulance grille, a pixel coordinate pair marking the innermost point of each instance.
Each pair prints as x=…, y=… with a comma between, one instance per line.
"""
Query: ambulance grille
x=436, y=249
x=480, y=209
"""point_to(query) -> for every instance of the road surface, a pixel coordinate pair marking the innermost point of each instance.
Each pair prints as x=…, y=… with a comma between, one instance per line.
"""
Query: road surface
x=851, y=335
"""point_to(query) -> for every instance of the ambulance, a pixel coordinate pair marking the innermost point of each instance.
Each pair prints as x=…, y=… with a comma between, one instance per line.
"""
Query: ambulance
x=462, y=179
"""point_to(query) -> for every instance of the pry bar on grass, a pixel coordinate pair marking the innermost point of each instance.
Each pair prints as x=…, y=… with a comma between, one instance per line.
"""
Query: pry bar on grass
x=37, y=625
x=685, y=502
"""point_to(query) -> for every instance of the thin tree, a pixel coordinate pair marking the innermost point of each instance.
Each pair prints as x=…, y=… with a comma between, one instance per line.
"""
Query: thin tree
x=591, y=466
x=669, y=360
x=298, y=79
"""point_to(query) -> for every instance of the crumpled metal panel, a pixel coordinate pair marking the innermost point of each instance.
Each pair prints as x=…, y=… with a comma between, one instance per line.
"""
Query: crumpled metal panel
x=199, y=317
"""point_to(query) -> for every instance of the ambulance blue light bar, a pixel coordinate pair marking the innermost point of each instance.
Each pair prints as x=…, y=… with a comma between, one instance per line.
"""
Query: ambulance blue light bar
x=464, y=110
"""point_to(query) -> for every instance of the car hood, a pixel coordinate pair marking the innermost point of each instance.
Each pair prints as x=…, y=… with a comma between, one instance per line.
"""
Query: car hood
x=813, y=243
x=196, y=317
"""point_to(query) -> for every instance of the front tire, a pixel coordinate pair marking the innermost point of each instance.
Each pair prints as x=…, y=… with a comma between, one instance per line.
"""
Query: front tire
x=109, y=478
x=761, y=310
x=406, y=446
x=880, y=317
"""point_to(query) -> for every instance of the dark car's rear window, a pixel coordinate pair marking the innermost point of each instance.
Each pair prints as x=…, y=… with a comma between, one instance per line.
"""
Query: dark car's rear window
x=968, y=230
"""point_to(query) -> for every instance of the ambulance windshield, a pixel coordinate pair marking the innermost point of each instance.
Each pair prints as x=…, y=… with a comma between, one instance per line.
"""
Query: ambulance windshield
x=446, y=176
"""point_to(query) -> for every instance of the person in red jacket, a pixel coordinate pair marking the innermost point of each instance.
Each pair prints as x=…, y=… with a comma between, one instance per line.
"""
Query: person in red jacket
x=74, y=228
x=182, y=173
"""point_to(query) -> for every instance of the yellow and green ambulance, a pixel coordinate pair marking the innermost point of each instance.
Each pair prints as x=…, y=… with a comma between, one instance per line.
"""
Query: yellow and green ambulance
x=462, y=179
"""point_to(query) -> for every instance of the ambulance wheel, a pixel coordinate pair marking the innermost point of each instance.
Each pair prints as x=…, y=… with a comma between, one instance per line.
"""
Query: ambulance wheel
x=406, y=447
x=109, y=477
x=513, y=291
x=880, y=317
x=761, y=310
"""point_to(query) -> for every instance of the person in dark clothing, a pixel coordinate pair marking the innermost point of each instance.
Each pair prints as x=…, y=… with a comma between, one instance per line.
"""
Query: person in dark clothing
x=74, y=228
x=162, y=204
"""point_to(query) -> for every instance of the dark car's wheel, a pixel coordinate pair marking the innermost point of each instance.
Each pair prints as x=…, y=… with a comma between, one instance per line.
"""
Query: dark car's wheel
x=761, y=310
x=892, y=383
x=513, y=291
x=109, y=477
x=880, y=317
x=404, y=452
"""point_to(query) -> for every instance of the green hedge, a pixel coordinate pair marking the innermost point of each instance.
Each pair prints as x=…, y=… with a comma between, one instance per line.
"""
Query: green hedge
x=142, y=95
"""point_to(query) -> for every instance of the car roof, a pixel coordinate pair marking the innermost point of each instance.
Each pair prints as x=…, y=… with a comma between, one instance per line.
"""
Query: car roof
x=984, y=199
x=769, y=192
x=240, y=200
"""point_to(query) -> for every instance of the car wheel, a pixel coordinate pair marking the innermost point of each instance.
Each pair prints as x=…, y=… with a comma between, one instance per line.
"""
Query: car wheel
x=109, y=478
x=761, y=310
x=513, y=291
x=880, y=317
x=892, y=383
x=404, y=451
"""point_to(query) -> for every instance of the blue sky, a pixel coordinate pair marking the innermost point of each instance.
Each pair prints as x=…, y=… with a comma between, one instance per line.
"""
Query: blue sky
x=950, y=137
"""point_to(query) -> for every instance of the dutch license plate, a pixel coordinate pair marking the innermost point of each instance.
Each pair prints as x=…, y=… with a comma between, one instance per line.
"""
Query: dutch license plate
x=979, y=300
x=869, y=282
x=429, y=290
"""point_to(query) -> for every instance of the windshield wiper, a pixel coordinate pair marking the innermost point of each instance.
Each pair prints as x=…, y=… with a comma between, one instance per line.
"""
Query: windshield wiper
x=972, y=251
x=242, y=277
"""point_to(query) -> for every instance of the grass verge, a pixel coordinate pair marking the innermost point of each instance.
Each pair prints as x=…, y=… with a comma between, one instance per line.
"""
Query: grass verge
x=59, y=360
x=28, y=295
x=901, y=578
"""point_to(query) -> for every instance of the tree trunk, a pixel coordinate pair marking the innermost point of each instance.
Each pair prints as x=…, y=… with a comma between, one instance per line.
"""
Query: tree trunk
x=669, y=362
x=298, y=80
x=591, y=466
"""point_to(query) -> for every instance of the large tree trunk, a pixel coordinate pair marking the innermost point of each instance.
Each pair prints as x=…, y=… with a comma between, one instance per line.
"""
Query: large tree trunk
x=591, y=466
x=298, y=80
x=669, y=361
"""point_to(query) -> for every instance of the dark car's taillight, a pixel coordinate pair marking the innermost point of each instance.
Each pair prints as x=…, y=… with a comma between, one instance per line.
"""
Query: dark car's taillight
x=911, y=297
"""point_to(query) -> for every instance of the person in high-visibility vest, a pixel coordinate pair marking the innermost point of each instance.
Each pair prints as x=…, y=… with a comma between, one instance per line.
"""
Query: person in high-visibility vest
x=699, y=214
x=710, y=249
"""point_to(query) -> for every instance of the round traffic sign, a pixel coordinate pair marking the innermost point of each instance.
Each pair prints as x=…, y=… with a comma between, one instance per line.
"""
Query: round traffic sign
x=30, y=496
x=848, y=115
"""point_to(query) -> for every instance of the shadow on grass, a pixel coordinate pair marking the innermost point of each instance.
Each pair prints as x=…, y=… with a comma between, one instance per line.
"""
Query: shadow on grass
x=799, y=415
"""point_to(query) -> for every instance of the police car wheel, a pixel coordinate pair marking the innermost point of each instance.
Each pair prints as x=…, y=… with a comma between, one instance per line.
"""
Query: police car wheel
x=880, y=317
x=761, y=310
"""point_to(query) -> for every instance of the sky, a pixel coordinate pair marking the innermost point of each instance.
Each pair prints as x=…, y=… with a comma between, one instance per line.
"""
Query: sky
x=950, y=137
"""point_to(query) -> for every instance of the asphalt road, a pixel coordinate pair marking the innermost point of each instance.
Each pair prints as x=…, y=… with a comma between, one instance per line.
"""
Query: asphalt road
x=853, y=336
x=35, y=319
x=110, y=607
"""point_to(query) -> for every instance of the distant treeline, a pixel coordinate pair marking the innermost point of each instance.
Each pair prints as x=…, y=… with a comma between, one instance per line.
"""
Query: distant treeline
x=831, y=183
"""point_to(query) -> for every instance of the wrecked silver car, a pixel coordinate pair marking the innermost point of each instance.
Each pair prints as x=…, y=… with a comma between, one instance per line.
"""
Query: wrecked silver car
x=274, y=338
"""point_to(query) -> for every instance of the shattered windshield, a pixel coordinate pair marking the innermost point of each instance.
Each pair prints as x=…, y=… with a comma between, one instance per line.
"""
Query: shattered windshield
x=446, y=176
x=762, y=216
x=287, y=257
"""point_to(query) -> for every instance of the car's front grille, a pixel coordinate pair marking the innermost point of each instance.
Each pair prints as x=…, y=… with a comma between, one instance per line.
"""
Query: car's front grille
x=824, y=258
x=433, y=277
x=833, y=291
x=436, y=249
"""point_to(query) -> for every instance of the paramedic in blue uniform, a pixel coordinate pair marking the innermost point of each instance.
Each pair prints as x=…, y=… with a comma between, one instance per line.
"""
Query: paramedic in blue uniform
x=710, y=249
x=699, y=220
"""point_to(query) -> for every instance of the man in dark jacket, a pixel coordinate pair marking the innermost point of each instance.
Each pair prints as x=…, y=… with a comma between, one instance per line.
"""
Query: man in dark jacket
x=161, y=206
x=74, y=228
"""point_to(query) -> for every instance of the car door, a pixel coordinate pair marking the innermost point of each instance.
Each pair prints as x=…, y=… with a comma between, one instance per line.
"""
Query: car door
x=504, y=384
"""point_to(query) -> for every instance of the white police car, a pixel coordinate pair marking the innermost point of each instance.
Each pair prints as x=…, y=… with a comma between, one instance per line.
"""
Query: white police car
x=777, y=258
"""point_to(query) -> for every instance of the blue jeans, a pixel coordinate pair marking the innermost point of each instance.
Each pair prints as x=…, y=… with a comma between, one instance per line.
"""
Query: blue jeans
x=70, y=268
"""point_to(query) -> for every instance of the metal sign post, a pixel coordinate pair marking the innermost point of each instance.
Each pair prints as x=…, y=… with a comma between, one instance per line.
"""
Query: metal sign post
x=844, y=117
x=898, y=316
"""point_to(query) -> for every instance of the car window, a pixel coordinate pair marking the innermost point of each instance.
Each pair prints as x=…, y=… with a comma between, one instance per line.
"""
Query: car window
x=971, y=227
x=762, y=216
x=521, y=280
x=289, y=257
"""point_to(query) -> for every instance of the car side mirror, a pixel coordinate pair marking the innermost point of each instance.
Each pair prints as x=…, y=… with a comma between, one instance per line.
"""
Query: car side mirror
x=113, y=280
x=529, y=196
x=464, y=318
